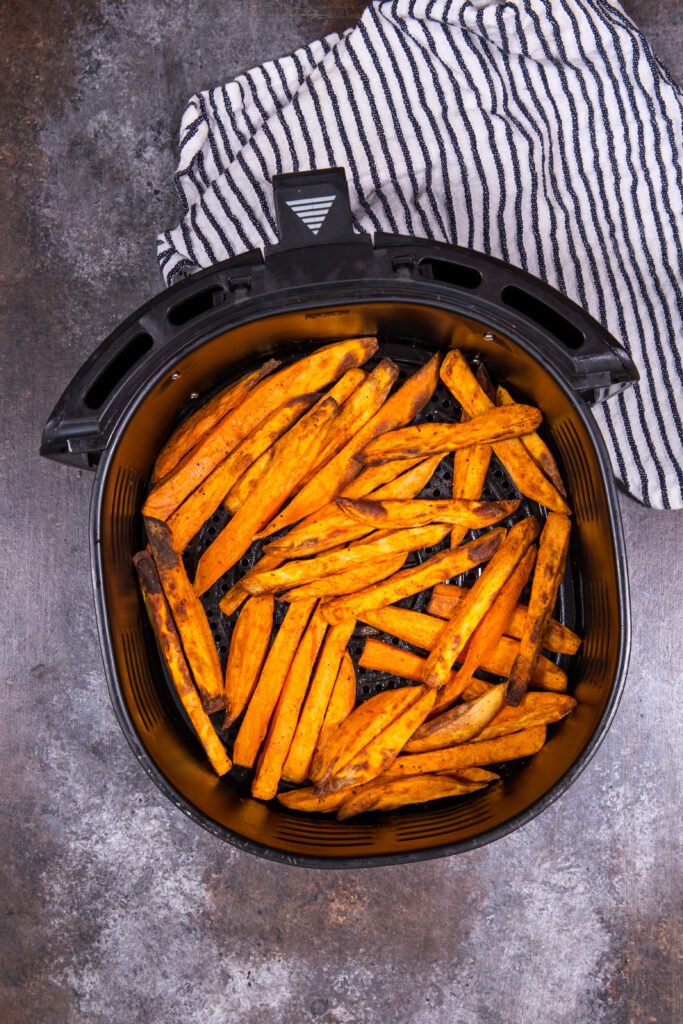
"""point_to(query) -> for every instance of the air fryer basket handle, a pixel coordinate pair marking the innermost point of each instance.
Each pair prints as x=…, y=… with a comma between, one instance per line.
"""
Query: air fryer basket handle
x=312, y=208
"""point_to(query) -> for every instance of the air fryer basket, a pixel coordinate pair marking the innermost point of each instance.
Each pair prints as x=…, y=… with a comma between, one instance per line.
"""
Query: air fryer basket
x=419, y=297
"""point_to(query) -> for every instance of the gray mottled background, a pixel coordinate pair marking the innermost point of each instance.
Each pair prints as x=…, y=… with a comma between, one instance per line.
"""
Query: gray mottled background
x=114, y=907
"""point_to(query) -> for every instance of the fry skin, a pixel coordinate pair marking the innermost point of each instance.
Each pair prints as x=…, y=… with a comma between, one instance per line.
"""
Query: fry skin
x=478, y=600
x=189, y=617
x=550, y=565
x=295, y=452
x=301, y=378
x=557, y=638
x=306, y=570
x=342, y=703
x=283, y=723
x=399, y=514
x=426, y=439
x=269, y=686
x=309, y=800
x=470, y=466
x=523, y=471
x=315, y=705
x=384, y=794
x=458, y=725
x=248, y=646
x=536, y=447
x=200, y=422
x=354, y=579
x=400, y=408
x=468, y=755
x=336, y=527
x=533, y=709
x=374, y=759
x=166, y=633
x=189, y=518
x=443, y=565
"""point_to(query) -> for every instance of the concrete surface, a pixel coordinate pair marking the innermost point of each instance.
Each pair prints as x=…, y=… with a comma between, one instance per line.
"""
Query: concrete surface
x=114, y=907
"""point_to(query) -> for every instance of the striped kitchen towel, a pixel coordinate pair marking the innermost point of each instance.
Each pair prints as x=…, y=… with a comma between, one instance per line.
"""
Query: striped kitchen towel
x=544, y=132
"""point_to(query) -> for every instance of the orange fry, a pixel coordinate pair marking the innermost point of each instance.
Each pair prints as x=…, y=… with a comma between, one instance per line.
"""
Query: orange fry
x=354, y=579
x=468, y=755
x=533, y=709
x=342, y=703
x=248, y=646
x=384, y=794
x=536, y=447
x=401, y=513
x=458, y=725
x=470, y=466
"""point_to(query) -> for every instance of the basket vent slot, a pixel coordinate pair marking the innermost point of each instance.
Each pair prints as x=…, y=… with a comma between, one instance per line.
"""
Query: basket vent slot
x=548, y=319
x=595, y=647
x=124, y=518
x=579, y=480
x=195, y=305
x=457, y=274
x=141, y=685
x=120, y=365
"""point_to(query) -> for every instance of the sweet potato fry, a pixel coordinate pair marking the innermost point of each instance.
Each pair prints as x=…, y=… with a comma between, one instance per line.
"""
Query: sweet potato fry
x=399, y=409
x=384, y=794
x=550, y=565
x=286, y=715
x=426, y=439
x=305, y=570
x=341, y=704
x=401, y=513
x=536, y=447
x=376, y=756
x=248, y=646
x=269, y=686
x=189, y=617
x=301, y=378
x=189, y=518
x=243, y=485
x=470, y=466
x=337, y=528
x=525, y=474
x=200, y=422
x=491, y=628
x=468, y=755
x=354, y=579
x=478, y=600
x=362, y=725
x=385, y=658
x=533, y=709
x=443, y=565
x=309, y=800
x=458, y=725
x=234, y=597
x=295, y=452
x=374, y=477
x=557, y=638
x=172, y=652
x=315, y=705
x=472, y=775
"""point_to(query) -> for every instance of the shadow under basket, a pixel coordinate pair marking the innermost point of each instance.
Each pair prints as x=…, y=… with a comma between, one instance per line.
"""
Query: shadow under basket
x=126, y=418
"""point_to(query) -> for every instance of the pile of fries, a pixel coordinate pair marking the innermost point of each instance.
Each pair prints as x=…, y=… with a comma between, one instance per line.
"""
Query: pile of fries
x=322, y=460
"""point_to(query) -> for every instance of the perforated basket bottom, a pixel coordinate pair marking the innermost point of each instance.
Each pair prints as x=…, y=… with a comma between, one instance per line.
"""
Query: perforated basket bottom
x=442, y=408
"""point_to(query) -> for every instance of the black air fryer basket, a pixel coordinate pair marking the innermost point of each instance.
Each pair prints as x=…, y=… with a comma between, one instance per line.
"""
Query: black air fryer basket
x=418, y=297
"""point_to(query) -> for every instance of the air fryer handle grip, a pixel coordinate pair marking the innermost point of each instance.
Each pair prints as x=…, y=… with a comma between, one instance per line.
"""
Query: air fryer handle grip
x=312, y=208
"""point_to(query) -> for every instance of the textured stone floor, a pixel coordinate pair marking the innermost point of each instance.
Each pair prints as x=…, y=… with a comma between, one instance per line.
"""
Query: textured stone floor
x=114, y=907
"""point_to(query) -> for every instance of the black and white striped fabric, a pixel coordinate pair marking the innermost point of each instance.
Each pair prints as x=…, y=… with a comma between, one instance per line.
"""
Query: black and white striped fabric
x=543, y=132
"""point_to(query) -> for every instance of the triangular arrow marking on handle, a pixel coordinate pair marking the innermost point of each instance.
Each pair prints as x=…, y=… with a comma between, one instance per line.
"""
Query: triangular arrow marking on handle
x=312, y=211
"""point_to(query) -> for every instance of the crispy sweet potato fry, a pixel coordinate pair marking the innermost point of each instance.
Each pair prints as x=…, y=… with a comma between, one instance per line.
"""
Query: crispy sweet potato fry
x=286, y=715
x=557, y=638
x=362, y=725
x=400, y=408
x=533, y=709
x=337, y=528
x=443, y=565
x=234, y=597
x=356, y=578
x=243, y=486
x=267, y=692
x=458, y=725
x=301, y=378
x=525, y=474
x=376, y=756
x=426, y=439
x=401, y=513
x=384, y=794
x=467, y=755
x=200, y=422
x=470, y=466
x=492, y=627
x=189, y=518
x=374, y=477
x=536, y=447
x=172, y=651
x=315, y=705
x=248, y=646
x=295, y=452
x=309, y=800
x=550, y=565
x=478, y=600
x=472, y=775
x=341, y=704
x=306, y=570
x=384, y=658
x=189, y=617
